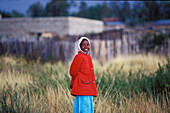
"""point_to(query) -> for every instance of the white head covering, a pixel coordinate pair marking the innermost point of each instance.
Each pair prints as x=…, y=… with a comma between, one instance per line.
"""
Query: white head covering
x=80, y=40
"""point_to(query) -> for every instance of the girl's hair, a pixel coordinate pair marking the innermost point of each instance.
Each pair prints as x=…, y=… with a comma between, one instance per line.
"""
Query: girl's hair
x=82, y=41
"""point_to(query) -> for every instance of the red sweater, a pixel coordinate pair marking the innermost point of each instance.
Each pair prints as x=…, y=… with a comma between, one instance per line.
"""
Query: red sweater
x=83, y=79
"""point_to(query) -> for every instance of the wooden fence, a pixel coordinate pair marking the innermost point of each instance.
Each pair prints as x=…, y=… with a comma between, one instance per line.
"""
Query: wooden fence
x=104, y=46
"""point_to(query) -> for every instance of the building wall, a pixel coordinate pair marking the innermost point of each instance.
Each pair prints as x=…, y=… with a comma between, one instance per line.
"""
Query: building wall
x=58, y=25
x=79, y=26
x=25, y=25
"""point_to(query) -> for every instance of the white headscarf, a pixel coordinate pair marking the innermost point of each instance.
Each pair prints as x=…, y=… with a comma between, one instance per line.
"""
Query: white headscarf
x=80, y=40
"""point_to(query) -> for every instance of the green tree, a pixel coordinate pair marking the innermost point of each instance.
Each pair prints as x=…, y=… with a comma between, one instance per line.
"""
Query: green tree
x=83, y=10
x=121, y=10
x=93, y=12
x=15, y=13
x=165, y=9
x=57, y=8
x=132, y=14
x=138, y=15
x=152, y=10
x=126, y=11
x=5, y=14
x=116, y=9
x=106, y=11
x=36, y=10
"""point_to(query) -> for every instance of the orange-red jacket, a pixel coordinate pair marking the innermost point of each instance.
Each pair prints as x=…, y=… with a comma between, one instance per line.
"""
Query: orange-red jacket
x=82, y=72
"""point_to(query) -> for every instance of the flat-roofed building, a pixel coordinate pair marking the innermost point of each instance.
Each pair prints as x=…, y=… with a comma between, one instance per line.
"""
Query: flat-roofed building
x=55, y=25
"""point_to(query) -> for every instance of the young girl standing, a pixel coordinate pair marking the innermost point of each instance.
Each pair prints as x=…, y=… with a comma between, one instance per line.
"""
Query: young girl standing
x=83, y=81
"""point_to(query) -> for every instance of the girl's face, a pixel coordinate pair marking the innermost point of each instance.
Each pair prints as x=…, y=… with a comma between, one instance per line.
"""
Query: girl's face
x=85, y=46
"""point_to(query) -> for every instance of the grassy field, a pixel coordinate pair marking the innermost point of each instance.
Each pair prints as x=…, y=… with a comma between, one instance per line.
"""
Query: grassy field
x=125, y=85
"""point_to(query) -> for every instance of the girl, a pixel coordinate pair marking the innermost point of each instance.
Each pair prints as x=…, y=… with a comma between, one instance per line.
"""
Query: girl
x=83, y=81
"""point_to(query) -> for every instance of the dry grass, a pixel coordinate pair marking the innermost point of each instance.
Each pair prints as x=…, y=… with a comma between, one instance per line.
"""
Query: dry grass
x=43, y=87
x=147, y=63
x=132, y=105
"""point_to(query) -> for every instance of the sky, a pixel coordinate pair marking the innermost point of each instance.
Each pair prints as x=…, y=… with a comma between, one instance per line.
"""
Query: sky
x=23, y=5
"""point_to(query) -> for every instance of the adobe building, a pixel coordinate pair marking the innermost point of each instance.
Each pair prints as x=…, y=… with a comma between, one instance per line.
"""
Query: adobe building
x=49, y=26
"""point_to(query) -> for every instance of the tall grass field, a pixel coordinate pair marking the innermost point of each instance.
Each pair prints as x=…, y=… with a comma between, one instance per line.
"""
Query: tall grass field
x=133, y=84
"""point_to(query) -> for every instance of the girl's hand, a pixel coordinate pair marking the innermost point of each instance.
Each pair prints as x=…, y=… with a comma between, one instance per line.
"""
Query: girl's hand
x=70, y=86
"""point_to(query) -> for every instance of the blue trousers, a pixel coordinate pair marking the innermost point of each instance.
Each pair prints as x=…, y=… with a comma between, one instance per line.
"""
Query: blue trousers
x=83, y=104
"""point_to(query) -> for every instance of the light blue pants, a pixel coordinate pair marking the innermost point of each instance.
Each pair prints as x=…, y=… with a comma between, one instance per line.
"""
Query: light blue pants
x=83, y=104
